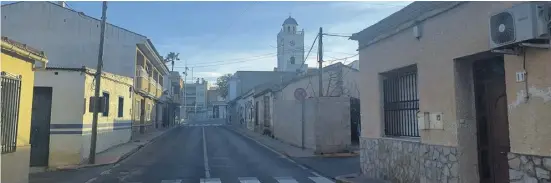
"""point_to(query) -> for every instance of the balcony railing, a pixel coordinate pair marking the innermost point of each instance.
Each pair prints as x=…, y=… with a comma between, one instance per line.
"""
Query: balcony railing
x=142, y=84
x=141, y=71
x=159, y=90
x=152, y=87
x=155, y=89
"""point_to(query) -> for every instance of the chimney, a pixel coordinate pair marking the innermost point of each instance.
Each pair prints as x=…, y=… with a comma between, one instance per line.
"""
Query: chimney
x=62, y=4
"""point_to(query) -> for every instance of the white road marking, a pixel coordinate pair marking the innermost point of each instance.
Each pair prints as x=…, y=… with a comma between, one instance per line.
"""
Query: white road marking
x=106, y=172
x=320, y=180
x=248, y=180
x=316, y=174
x=285, y=179
x=91, y=180
x=210, y=180
x=205, y=156
x=171, y=181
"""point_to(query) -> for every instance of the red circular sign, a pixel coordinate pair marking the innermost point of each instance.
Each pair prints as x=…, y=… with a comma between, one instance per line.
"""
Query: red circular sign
x=300, y=94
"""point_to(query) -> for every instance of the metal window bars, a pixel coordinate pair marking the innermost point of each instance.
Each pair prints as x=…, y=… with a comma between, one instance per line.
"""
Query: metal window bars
x=9, y=103
x=401, y=104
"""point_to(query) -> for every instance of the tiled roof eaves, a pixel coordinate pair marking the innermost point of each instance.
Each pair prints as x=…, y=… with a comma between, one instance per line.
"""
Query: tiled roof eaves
x=22, y=46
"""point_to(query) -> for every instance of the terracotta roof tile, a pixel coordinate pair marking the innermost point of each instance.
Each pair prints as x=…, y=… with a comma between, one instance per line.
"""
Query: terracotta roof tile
x=23, y=46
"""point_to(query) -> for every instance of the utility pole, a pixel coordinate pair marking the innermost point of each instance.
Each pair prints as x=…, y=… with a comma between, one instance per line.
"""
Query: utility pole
x=192, y=75
x=97, y=103
x=320, y=61
x=195, y=101
x=185, y=94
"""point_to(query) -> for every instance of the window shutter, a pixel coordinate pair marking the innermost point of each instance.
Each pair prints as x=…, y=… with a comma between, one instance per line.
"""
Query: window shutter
x=104, y=104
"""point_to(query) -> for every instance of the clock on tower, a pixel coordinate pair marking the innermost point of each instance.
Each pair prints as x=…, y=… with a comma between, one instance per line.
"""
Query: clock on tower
x=290, y=47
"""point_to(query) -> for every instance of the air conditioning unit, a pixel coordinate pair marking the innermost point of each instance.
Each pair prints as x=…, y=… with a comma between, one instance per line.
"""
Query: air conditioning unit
x=520, y=23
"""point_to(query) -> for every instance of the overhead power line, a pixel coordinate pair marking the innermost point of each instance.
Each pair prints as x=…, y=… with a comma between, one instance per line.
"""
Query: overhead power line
x=309, y=51
x=235, y=62
x=344, y=58
x=338, y=52
x=336, y=35
x=311, y=47
x=234, y=59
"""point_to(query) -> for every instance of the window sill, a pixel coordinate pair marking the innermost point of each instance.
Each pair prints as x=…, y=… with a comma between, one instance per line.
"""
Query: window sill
x=408, y=139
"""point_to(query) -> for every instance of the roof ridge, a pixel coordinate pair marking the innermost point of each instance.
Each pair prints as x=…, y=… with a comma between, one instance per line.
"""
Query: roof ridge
x=78, y=12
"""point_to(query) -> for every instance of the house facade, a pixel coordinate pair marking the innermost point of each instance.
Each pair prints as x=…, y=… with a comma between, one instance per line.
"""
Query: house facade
x=273, y=109
x=196, y=99
x=243, y=81
x=73, y=39
x=69, y=123
x=17, y=77
x=148, y=88
x=337, y=80
x=175, y=89
x=216, y=105
x=439, y=106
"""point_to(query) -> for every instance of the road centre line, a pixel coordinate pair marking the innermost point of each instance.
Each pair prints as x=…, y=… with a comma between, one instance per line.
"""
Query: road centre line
x=205, y=155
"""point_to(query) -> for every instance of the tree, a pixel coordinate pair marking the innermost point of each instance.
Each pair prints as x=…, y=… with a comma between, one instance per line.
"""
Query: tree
x=222, y=83
x=171, y=57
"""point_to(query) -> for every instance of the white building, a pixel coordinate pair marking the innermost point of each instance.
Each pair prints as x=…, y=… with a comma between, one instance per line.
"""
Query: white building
x=290, y=47
x=196, y=99
x=70, y=38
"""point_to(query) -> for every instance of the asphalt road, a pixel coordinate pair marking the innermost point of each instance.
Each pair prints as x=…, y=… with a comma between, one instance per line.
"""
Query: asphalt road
x=205, y=152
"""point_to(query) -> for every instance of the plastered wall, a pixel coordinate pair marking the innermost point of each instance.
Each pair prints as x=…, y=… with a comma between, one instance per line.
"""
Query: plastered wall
x=530, y=120
x=456, y=33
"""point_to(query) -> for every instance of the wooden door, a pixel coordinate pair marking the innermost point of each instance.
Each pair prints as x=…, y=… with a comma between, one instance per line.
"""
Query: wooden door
x=40, y=126
x=492, y=120
x=267, y=117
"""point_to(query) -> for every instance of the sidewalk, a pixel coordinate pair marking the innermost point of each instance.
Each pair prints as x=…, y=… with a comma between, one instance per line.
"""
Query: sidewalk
x=120, y=152
x=282, y=147
x=355, y=178
x=330, y=166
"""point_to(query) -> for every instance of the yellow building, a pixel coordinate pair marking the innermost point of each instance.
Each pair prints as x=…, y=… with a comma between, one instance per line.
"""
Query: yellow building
x=17, y=65
x=148, y=88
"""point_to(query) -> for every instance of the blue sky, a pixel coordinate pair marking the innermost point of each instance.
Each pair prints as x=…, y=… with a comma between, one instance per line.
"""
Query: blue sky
x=242, y=33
